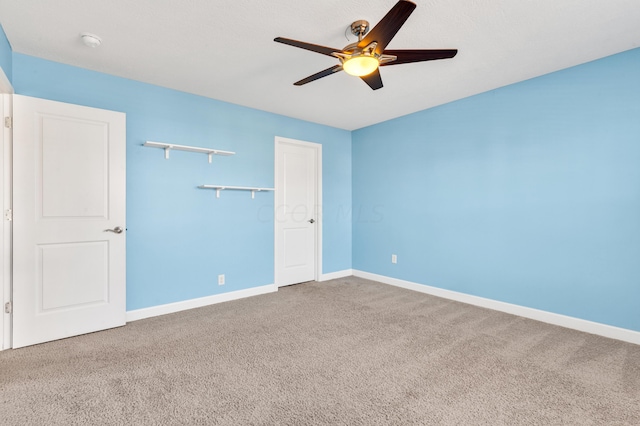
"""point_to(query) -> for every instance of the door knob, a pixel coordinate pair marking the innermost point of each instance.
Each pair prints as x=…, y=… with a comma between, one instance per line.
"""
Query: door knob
x=116, y=230
x=311, y=221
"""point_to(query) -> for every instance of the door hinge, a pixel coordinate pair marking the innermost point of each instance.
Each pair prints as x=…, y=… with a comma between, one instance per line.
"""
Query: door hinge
x=8, y=122
x=8, y=308
x=8, y=215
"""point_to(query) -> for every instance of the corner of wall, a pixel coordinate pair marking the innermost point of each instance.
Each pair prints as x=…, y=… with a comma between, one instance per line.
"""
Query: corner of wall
x=6, y=61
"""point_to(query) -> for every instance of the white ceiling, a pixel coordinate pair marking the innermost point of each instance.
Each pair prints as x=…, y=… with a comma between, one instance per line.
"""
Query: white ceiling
x=224, y=49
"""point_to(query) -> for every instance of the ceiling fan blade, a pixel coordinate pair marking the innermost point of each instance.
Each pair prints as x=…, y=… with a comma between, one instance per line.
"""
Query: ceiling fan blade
x=318, y=75
x=418, y=55
x=308, y=46
x=374, y=80
x=388, y=26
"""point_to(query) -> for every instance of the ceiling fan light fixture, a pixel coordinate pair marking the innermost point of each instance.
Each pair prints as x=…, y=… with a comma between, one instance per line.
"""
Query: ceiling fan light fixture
x=360, y=65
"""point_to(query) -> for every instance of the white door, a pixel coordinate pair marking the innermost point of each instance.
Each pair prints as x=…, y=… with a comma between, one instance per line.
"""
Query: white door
x=69, y=191
x=297, y=211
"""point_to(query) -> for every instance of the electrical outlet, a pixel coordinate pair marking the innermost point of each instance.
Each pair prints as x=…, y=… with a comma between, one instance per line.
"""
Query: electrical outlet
x=394, y=258
x=221, y=279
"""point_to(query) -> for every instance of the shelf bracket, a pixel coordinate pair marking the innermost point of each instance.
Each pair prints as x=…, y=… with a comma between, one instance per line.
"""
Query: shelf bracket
x=166, y=152
x=218, y=193
x=210, y=155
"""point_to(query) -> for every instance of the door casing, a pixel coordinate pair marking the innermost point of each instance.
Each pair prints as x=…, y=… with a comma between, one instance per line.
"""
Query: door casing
x=6, y=90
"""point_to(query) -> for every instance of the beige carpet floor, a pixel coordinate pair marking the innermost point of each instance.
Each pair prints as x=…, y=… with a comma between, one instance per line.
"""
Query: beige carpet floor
x=344, y=352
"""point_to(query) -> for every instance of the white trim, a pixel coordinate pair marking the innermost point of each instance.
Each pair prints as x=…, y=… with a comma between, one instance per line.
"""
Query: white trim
x=6, y=190
x=318, y=202
x=605, y=330
x=336, y=275
x=170, y=308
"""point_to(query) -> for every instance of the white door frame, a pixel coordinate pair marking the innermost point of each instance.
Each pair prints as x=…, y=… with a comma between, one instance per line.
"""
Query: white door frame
x=6, y=90
x=318, y=203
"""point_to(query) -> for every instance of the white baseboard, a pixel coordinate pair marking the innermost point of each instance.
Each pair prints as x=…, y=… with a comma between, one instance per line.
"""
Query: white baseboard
x=599, y=329
x=336, y=275
x=170, y=308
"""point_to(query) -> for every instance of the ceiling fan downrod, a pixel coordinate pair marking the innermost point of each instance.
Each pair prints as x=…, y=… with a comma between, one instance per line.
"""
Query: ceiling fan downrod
x=360, y=28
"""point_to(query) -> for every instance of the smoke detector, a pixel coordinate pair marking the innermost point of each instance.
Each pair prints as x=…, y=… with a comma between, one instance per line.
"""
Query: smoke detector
x=91, y=40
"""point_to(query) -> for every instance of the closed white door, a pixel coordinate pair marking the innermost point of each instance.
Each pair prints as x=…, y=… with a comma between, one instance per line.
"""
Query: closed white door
x=297, y=211
x=69, y=220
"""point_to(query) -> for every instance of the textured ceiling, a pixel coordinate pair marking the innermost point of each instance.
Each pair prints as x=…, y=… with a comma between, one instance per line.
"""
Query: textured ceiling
x=224, y=49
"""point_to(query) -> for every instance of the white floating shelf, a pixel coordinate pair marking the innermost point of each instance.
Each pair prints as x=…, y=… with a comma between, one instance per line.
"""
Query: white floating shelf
x=219, y=188
x=169, y=146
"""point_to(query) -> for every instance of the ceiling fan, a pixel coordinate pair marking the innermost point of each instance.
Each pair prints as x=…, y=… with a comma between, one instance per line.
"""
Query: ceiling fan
x=363, y=58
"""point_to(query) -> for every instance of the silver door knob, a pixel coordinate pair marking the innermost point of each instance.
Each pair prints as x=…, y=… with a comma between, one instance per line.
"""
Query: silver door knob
x=311, y=221
x=116, y=230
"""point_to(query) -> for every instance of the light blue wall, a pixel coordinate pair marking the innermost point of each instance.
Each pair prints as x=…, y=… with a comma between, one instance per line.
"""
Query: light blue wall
x=5, y=55
x=529, y=194
x=180, y=238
